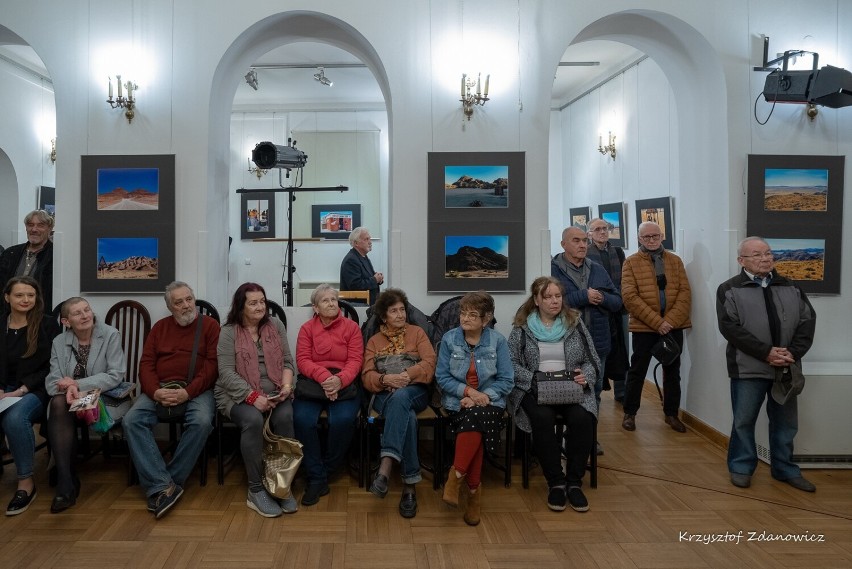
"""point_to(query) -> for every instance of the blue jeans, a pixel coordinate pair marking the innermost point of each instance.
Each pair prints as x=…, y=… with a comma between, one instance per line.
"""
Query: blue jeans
x=747, y=396
x=399, y=437
x=154, y=474
x=341, y=427
x=17, y=422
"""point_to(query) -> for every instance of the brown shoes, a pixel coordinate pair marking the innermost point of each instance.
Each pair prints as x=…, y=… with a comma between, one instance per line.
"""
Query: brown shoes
x=673, y=422
x=451, y=488
x=629, y=422
x=472, y=514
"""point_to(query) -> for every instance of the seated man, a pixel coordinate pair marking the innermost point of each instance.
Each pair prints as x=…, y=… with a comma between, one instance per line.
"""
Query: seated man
x=166, y=358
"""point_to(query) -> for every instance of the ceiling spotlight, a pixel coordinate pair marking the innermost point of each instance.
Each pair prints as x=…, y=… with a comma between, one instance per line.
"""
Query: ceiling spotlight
x=251, y=79
x=320, y=76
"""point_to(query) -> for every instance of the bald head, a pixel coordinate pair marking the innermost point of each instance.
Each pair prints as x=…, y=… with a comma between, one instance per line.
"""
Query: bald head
x=574, y=244
x=650, y=235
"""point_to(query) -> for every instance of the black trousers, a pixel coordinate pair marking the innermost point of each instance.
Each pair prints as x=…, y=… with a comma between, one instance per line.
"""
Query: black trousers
x=639, y=361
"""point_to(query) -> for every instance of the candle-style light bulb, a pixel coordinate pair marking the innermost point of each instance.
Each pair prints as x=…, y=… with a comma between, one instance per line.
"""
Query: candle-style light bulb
x=487, y=79
x=118, y=80
x=464, y=80
x=109, y=82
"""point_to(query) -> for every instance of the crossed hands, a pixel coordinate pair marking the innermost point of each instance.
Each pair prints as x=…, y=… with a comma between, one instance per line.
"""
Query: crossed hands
x=780, y=357
x=475, y=398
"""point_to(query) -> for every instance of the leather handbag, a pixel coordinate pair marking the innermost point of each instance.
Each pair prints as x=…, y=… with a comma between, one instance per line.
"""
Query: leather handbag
x=558, y=388
x=310, y=390
x=395, y=363
x=281, y=459
x=666, y=350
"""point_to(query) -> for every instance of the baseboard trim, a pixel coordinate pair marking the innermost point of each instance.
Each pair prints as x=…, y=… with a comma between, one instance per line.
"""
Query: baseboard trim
x=700, y=427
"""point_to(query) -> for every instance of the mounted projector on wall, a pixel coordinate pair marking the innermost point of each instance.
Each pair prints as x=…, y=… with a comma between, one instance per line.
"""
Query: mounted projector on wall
x=267, y=155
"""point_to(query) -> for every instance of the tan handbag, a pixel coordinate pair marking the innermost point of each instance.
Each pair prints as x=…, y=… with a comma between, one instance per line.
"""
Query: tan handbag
x=281, y=460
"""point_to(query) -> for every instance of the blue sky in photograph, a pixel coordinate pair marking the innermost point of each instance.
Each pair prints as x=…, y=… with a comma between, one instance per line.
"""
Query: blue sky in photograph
x=795, y=177
x=485, y=173
x=119, y=248
x=129, y=179
x=611, y=217
x=795, y=244
x=498, y=243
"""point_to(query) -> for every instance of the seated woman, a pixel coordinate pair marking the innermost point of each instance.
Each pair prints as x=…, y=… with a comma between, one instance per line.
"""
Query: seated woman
x=550, y=337
x=256, y=377
x=88, y=355
x=400, y=393
x=24, y=363
x=475, y=374
x=329, y=353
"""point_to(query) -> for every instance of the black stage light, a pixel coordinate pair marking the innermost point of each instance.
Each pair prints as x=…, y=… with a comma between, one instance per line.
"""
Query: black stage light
x=267, y=155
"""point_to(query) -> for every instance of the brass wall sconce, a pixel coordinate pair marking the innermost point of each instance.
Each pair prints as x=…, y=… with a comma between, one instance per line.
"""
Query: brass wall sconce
x=469, y=98
x=259, y=172
x=609, y=148
x=121, y=102
x=52, y=154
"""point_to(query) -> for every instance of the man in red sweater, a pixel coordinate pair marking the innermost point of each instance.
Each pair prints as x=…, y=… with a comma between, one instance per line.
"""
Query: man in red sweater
x=166, y=360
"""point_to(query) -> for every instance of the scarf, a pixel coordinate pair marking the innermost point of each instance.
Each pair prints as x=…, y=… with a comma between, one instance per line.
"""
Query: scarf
x=660, y=271
x=544, y=334
x=246, y=360
x=609, y=258
x=396, y=340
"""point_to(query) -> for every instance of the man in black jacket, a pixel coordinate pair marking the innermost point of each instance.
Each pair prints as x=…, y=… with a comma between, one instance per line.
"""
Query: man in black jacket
x=769, y=324
x=356, y=270
x=34, y=257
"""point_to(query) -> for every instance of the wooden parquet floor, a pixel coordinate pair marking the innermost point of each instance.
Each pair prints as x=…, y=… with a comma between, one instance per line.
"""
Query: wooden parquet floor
x=657, y=491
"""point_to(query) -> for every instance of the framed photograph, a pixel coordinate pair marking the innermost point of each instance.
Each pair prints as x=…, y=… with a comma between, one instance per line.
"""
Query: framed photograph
x=658, y=210
x=257, y=215
x=47, y=200
x=127, y=223
x=580, y=217
x=813, y=262
x=475, y=229
x=334, y=221
x=615, y=216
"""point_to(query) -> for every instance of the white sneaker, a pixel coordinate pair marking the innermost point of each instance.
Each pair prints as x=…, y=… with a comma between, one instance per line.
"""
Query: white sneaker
x=262, y=503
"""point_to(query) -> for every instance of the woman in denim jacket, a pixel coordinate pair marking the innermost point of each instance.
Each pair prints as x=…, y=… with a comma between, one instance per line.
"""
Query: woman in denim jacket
x=475, y=374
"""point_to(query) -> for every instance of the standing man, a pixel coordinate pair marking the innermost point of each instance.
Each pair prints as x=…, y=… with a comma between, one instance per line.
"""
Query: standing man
x=33, y=258
x=166, y=359
x=656, y=293
x=611, y=258
x=769, y=324
x=588, y=289
x=356, y=270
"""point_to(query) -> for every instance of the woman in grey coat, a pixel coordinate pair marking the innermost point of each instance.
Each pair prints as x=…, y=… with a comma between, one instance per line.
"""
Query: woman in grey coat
x=88, y=355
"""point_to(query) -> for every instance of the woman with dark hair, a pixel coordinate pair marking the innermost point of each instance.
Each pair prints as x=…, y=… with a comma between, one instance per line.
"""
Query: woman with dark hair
x=399, y=363
x=549, y=338
x=255, y=378
x=24, y=363
x=88, y=355
x=475, y=374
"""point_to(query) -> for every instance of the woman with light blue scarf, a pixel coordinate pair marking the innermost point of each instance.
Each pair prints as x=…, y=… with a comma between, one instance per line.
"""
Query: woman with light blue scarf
x=549, y=339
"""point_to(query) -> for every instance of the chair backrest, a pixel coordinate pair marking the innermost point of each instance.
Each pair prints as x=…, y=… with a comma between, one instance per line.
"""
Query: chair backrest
x=348, y=310
x=446, y=317
x=276, y=311
x=413, y=315
x=56, y=315
x=360, y=296
x=205, y=307
x=133, y=322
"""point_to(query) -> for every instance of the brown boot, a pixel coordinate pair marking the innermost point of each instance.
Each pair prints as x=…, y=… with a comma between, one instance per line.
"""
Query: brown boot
x=451, y=488
x=471, y=515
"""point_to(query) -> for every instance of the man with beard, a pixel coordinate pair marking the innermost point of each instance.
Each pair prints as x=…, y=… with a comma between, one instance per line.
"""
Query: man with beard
x=34, y=257
x=166, y=380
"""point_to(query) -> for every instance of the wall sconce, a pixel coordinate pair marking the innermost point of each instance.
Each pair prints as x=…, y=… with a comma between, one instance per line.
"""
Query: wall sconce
x=121, y=102
x=468, y=97
x=259, y=172
x=320, y=76
x=52, y=154
x=609, y=148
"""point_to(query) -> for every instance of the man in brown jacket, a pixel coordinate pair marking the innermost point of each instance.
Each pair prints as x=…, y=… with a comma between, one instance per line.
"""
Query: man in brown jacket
x=656, y=293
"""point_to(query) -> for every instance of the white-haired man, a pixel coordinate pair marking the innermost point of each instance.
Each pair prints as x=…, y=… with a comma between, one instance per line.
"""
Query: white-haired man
x=356, y=270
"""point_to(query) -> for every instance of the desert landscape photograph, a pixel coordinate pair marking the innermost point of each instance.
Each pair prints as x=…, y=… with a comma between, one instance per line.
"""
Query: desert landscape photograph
x=613, y=221
x=128, y=189
x=792, y=189
x=128, y=258
x=476, y=186
x=799, y=259
x=476, y=257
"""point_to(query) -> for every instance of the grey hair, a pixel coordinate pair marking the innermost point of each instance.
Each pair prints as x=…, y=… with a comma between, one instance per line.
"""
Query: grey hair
x=65, y=307
x=174, y=285
x=42, y=216
x=321, y=290
x=356, y=234
x=742, y=243
x=647, y=224
x=594, y=219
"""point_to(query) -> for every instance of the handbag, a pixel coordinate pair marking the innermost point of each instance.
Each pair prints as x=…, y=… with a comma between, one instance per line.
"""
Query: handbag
x=310, y=390
x=281, y=459
x=666, y=350
x=395, y=363
x=175, y=413
x=559, y=388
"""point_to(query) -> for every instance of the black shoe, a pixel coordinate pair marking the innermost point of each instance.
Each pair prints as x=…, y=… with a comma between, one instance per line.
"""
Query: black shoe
x=577, y=499
x=20, y=502
x=379, y=487
x=314, y=492
x=61, y=503
x=556, y=498
x=408, y=505
x=166, y=499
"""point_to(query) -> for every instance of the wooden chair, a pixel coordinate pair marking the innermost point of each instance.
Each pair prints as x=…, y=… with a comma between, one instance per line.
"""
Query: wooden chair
x=592, y=466
x=360, y=296
x=207, y=309
x=132, y=320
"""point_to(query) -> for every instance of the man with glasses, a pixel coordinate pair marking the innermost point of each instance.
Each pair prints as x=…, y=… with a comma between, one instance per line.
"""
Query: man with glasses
x=769, y=324
x=611, y=258
x=34, y=257
x=657, y=296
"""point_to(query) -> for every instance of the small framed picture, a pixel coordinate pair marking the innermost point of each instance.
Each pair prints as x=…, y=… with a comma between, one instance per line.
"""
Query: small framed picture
x=614, y=214
x=334, y=221
x=258, y=215
x=658, y=210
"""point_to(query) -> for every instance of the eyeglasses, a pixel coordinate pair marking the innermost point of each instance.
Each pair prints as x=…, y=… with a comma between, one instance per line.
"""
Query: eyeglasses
x=764, y=255
x=600, y=229
x=471, y=315
x=651, y=237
